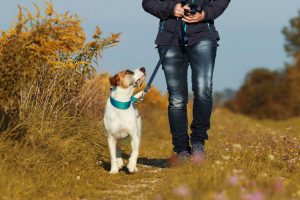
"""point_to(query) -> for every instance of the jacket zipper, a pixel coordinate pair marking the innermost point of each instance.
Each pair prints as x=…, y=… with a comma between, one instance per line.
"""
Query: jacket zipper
x=162, y=26
x=208, y=25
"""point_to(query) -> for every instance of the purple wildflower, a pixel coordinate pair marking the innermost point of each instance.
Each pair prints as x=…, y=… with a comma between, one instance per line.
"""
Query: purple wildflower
x=254, y=196
x=234, y=180
x=182, y=191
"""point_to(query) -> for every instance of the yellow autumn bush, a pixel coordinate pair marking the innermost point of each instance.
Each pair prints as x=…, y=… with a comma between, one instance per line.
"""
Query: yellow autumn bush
x=45, y=60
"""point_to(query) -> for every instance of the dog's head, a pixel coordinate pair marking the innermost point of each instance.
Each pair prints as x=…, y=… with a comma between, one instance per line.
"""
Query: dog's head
x=128, y=78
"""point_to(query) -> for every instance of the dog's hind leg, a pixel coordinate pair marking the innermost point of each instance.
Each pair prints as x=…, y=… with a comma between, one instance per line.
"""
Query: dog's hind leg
x=112, y=144
x=119, y=158
x=135, y=143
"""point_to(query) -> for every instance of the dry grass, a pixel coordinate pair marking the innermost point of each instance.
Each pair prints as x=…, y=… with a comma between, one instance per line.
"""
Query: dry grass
x=68, y=159
x=246, y=159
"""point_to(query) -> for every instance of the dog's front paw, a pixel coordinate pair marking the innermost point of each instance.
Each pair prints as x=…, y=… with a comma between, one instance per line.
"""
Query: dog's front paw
x=114, y=171
x=132, y=169
x=120, y=163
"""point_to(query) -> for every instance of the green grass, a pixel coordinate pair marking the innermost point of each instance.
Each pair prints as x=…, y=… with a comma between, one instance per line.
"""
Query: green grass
x=68, y=159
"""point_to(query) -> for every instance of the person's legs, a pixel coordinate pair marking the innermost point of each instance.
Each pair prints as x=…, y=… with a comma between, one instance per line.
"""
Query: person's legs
x=202, y=60
x=175, y=67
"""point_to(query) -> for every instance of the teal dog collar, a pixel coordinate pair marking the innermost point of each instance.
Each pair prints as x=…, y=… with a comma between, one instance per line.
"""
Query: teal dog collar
x=122, y=105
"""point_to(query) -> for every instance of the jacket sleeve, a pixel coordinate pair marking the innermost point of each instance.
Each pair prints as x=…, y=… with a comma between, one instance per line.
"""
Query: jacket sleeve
x=214, y=9
x=162, y=9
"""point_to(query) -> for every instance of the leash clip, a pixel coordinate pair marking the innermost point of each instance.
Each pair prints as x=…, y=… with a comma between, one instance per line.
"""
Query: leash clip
x=142, y=97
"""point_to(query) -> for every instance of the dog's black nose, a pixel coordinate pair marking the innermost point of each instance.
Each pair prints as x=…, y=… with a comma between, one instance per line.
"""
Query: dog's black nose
x=142, y=69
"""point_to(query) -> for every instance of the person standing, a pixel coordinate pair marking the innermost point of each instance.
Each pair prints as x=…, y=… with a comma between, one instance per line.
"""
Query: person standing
x=196, y=45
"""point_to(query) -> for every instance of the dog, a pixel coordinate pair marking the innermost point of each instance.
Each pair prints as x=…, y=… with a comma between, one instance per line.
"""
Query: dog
x=121, y=118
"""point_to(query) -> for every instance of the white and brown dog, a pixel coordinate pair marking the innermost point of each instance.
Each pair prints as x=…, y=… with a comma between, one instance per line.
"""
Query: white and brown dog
x=121, y=118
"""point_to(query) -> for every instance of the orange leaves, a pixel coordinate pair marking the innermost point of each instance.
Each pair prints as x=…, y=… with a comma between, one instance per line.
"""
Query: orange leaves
x=20, y=14
x=49, y=8
x=67, y=64
x=37, y=10
x=154, y=98
x=98, y=31
x=41, y=46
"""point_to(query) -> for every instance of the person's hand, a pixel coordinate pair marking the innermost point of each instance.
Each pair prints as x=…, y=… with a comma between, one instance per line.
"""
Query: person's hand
x=179, y=10
x=198, y=17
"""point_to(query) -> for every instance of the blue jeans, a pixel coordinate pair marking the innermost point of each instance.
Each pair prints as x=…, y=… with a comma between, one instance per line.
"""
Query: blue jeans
x=201, y=57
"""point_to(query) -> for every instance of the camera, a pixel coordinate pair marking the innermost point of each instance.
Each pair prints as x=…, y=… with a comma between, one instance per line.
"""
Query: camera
x=184, y=2
x=193, y=10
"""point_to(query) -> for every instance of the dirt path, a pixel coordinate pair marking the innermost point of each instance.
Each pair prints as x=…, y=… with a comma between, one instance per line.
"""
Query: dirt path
x=152, y=165
x=231, y=153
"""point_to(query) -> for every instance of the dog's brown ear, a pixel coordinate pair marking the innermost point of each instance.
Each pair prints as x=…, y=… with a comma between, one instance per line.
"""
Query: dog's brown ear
x=114, y=80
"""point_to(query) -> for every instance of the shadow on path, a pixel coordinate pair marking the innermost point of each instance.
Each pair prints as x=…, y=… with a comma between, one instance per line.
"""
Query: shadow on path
x=152, y=162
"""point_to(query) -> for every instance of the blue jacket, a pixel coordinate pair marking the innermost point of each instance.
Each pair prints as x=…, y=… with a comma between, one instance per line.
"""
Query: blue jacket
x=164, y=10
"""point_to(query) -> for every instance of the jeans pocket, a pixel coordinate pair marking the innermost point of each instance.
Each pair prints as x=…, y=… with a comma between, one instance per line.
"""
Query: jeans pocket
x=160, y=49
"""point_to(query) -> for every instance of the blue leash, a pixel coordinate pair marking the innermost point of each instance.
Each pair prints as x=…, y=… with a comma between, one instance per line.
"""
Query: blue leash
x=162, y=57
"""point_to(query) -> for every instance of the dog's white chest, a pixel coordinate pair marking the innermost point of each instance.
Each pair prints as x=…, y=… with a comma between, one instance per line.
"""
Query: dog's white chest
x=120, y=123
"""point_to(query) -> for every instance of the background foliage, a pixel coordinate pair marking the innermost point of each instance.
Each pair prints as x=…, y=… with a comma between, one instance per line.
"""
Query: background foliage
x=273, y=94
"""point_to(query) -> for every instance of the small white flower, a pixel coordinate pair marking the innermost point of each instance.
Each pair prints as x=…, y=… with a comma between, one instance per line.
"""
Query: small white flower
x=99, y=162
x=271, y=157
x=226, y=157
x=237, y=171
x=237, y=146
x=218, y=162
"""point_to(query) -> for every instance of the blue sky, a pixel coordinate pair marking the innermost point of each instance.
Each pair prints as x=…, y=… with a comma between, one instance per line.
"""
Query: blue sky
x=250, y=34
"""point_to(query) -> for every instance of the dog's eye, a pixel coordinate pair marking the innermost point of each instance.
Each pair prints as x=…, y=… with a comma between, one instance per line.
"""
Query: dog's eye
x=129, y=72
